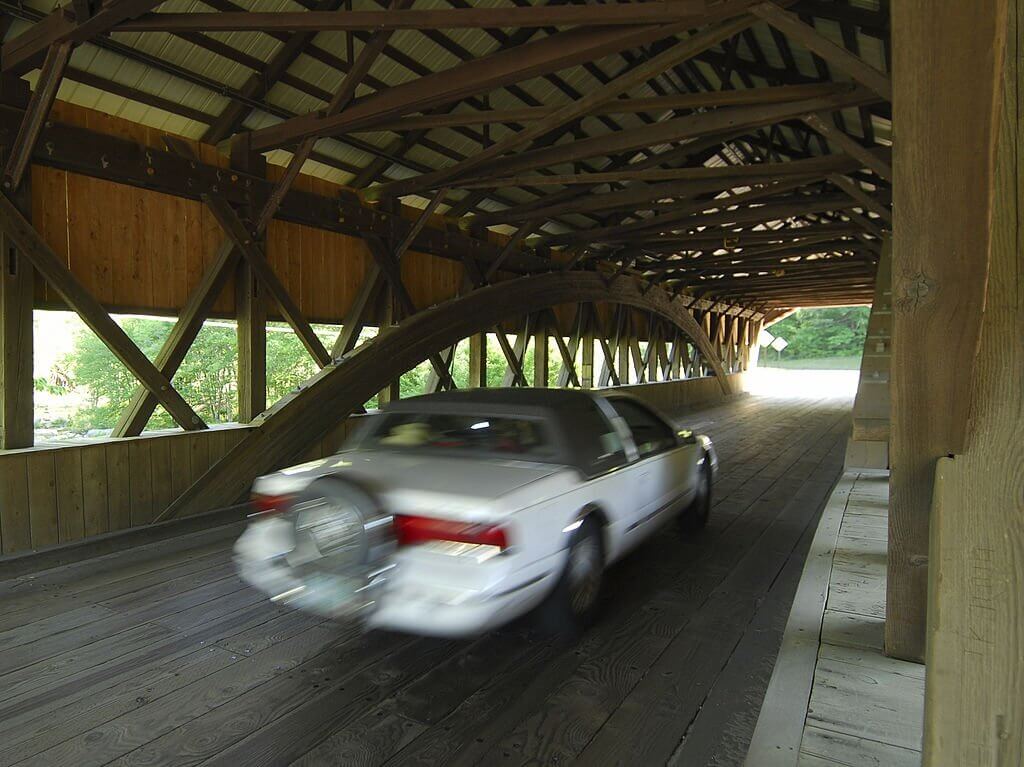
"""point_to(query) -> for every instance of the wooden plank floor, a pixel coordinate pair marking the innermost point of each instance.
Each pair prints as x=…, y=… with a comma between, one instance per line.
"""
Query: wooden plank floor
x=865, y=708
x=160, y=655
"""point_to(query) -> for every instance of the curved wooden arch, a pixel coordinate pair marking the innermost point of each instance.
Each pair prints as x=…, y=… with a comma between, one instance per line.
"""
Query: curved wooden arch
x=300, y=419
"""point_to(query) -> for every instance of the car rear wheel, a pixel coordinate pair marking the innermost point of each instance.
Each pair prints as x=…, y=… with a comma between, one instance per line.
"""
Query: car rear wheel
x=695, y=517
x=573, y=604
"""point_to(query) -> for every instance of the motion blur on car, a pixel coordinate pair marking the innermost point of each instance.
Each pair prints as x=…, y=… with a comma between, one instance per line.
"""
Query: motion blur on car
x=454, y=513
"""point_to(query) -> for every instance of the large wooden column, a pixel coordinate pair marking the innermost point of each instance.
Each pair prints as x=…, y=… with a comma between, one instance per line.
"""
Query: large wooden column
x=947, y=67
x=974, y=692
x=16, y=287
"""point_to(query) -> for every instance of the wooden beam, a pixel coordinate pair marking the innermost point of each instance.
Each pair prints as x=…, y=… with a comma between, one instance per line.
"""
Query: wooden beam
x=505, y=67
x=944, y=194
x=17, y=386
x=515, y=356
x=520, y=234
x=738, y=174
x=790, y=25
x=727, y=119
x=567, y=373
x=360, y=311
x=260, y=83
x=540, y=354
x=822, y=123
x=974, y=692
x=683, y=101
x=391, y=270
x=53, y=270
x=253, y=253
x=478, y=360
x=867, y=201
x=691, y=11
x=251, y=313
x=38, y=108
x=297, y=423
x=607, y=93
x=25, y=51
x=339, y=103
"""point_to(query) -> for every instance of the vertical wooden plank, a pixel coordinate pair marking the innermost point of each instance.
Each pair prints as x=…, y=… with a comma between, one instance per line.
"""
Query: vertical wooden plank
x=140, y=469
x=70, y=511
x=15, y=522
x=42, y=498
x=95, y=490
x=119, y=497
x=160, y=462
x=943, y=202
x=199, y=447
x=181, y=465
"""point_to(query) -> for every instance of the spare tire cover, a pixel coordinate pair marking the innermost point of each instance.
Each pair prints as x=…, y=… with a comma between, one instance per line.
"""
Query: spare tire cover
x=343, y=545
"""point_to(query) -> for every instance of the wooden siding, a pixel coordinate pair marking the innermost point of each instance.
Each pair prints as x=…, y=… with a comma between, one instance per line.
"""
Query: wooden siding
x=50, y=496
x=141, y=250
x=58, y=495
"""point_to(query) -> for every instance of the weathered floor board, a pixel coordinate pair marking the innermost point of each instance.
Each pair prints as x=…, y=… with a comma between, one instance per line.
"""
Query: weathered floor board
x=160, y=655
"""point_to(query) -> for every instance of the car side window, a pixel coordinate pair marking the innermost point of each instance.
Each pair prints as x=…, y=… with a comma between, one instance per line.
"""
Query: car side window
x=651, y=434
x=599, y=445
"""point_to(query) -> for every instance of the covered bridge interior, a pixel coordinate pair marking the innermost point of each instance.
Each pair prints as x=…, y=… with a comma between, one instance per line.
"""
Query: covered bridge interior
x=627, y=191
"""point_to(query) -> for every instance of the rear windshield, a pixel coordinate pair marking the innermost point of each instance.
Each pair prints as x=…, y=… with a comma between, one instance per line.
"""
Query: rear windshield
x=513, y=437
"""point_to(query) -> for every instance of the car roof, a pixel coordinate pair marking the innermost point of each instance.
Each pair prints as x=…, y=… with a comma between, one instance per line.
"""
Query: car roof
x=516, y=397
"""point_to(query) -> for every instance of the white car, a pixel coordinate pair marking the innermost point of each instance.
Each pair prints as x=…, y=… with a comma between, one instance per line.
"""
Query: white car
x=451, y=514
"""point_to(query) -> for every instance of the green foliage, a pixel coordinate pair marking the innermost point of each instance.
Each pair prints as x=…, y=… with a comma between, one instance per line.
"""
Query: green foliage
x=207, y=378
x=814, y=333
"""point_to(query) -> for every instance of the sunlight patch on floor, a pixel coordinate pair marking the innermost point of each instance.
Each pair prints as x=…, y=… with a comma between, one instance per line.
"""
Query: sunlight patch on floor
x=795, y=384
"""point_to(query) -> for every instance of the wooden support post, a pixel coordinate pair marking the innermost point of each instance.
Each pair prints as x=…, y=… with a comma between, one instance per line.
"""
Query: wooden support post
x=974, y=688
x=625, y=339
x=940, y=255
x=251, y=314
x=478, y=360
x=250, y=311
x=17, y=413
x=540, y=354
x=587, y=339
x=390, y=316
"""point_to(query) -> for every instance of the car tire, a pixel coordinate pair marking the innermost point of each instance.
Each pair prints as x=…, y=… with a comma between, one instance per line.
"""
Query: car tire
x=695, y=516
x=573, y=604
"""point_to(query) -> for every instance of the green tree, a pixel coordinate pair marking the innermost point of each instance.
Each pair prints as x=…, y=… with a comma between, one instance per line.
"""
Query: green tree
x=830, y=332
x=207, y=377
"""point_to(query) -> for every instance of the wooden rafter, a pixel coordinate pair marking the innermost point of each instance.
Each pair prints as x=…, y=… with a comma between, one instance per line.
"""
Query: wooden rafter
x=470, y=78
x=38, y=108
x=692, y=11
x=604, y=95
x=26, y=50
x=791, y=25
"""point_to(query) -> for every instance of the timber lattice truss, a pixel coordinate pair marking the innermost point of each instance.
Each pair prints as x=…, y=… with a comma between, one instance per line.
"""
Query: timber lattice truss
x=732, y=154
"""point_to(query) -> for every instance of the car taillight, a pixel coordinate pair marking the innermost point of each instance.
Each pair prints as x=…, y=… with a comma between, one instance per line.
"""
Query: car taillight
x=270, y=504
x=411, y=529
